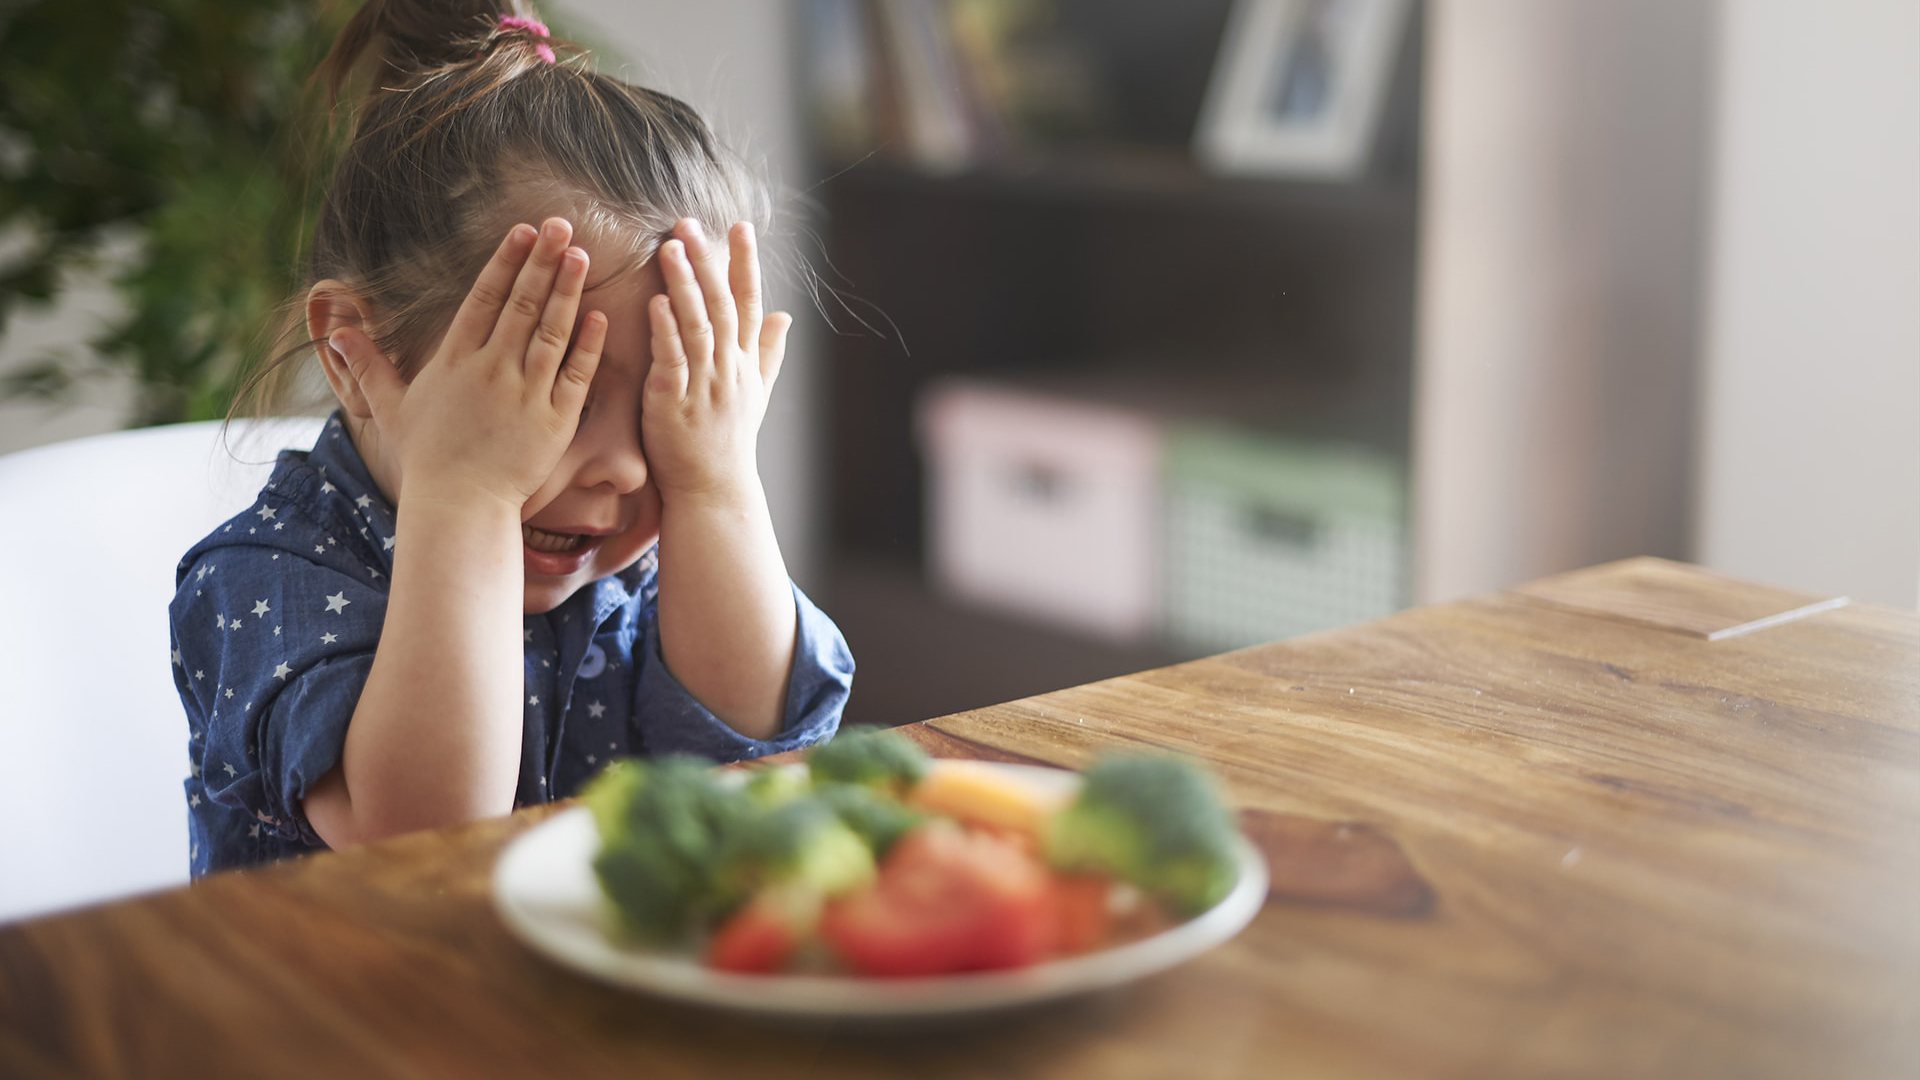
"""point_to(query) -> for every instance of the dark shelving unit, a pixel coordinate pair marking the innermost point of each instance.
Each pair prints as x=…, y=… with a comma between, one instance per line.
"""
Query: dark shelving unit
x=1121, y=271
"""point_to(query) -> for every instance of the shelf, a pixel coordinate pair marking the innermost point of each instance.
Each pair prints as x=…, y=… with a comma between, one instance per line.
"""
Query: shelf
x=922, y=655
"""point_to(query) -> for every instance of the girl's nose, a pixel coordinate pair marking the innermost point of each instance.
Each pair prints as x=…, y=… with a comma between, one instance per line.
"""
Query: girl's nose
x=613, y=459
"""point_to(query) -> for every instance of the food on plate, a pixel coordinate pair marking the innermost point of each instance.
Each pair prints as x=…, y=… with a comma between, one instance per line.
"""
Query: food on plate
x=884, y=760
x=872, y=859
x=662, y=826
x=947, y=899
x=978, y=792
x=1155, y=823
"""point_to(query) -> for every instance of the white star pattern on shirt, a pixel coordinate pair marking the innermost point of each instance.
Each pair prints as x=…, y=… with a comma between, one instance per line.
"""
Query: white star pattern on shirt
x=375, y=573
x=338, y=602
x=363, y=502
x=227, y=765
x=595, y=709
x=260, y=607
x=282, y=671
x=276, y=631
x=386, y=542
x=534, y=700
x=253, y=832
x=220, y=621
x=591, y=759
x=527, y=633
x=278, y=525
x=265, y=511
x=176, y=658
x=326, y=488
x=229, y=691
x=193, y=800
x=328, y=639
x=199, y=674
x=234, y=624
x=318, y=550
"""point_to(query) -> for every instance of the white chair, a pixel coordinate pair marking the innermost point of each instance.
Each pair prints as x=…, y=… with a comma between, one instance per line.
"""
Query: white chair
x=93, y=741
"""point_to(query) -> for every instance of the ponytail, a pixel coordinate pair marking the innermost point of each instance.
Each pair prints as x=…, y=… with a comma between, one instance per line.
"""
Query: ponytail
x=403, y=41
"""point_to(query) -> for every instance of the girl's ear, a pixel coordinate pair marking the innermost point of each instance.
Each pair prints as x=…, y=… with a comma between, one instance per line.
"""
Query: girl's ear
x=332, y=306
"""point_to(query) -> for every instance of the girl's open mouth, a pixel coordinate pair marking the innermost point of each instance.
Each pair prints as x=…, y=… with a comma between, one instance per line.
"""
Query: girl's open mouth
x=555, y=554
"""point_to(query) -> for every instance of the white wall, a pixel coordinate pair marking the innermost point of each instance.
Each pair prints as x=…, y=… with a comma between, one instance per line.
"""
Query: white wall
x=1810, y=451
x=1559, y=296
x=731, y=60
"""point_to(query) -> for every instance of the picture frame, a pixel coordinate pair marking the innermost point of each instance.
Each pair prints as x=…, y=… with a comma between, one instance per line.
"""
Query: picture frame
x=1299, y=87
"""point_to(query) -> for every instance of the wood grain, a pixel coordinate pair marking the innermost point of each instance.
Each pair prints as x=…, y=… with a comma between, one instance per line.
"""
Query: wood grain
x=1644, y=853
x=1674, y=596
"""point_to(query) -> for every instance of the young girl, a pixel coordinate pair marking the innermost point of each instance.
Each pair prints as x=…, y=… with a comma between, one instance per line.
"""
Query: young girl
x=550, y=353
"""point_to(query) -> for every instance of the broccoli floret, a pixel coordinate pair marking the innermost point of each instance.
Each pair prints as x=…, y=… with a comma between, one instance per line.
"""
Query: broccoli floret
x=881, y=759
x=801, y=842
x=661, y=825
x=877, y=819
x=774, y=785
x=1153, y=822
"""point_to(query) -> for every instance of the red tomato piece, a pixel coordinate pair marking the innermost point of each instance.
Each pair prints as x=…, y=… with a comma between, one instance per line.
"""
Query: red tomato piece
x=1082, y=920
x=755, y=940
x=945, y=900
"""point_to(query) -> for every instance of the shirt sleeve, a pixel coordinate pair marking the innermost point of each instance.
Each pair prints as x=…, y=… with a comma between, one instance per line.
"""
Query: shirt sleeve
x=671, y=721
x=273, y=650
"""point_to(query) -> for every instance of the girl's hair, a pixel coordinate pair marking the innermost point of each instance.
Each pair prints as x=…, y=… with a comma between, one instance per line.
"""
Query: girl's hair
x=472, y=118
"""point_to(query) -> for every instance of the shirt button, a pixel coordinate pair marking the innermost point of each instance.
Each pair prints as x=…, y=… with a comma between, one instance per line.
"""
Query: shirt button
x=594, y=662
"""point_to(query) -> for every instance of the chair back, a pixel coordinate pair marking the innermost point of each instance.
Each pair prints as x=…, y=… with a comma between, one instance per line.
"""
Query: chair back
x=93, y=741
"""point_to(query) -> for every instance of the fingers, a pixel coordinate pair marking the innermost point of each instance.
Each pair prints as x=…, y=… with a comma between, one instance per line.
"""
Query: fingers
x=531, y=287
x=549, y=345
x=478, y=313
x=694, y=334
x=773, y=346
x=709, y=262
x=372, y=372
x=743, y=274
x=668, y=376
x=570, y=389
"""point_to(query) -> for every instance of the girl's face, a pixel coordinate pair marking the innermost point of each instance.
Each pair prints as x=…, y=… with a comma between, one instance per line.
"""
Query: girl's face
x=599, y=511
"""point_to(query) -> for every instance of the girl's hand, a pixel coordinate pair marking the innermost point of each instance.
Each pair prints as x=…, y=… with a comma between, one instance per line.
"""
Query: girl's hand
x=491, y=414
x=715, y=359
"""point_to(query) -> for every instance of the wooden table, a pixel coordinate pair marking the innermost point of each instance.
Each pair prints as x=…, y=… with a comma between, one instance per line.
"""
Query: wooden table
x=1633, y=821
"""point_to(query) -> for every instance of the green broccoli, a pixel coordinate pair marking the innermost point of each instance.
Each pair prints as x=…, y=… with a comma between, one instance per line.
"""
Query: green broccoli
x=875, y=757
x=1154, y=822
x=877, y=819
x=661, y=824
x=799, y=843
x=771, y=786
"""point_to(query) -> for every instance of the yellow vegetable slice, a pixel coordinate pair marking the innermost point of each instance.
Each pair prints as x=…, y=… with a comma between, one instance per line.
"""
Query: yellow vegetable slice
x=976, y=792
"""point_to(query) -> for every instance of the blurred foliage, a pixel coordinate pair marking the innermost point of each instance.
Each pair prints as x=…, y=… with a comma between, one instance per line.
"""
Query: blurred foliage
x=189, y=124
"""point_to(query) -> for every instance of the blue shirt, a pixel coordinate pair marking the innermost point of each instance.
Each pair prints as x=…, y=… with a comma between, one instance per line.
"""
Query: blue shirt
x=276, y=617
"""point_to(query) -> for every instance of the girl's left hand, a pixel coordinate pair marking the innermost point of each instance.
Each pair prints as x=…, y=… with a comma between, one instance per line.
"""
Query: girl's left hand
x=715, y=359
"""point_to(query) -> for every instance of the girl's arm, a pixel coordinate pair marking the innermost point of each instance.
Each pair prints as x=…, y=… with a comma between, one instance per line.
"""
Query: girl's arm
x=727, y=619
x=435, y=737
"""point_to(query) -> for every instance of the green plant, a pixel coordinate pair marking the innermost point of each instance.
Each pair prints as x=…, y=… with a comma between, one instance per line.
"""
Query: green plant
x=189, y=124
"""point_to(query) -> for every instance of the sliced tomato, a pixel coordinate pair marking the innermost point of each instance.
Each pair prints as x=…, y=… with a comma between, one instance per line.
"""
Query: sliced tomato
x=1082, y=918
x=945, y=900
x=761, y=936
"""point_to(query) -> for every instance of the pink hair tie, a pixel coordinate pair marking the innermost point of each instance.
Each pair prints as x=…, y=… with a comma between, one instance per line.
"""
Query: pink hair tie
x=535, y=27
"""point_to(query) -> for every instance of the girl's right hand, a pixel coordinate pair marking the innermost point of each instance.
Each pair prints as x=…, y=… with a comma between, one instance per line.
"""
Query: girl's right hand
x=493, y=411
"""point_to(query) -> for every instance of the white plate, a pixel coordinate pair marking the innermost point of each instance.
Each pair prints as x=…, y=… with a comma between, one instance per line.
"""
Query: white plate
x=545, y=890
